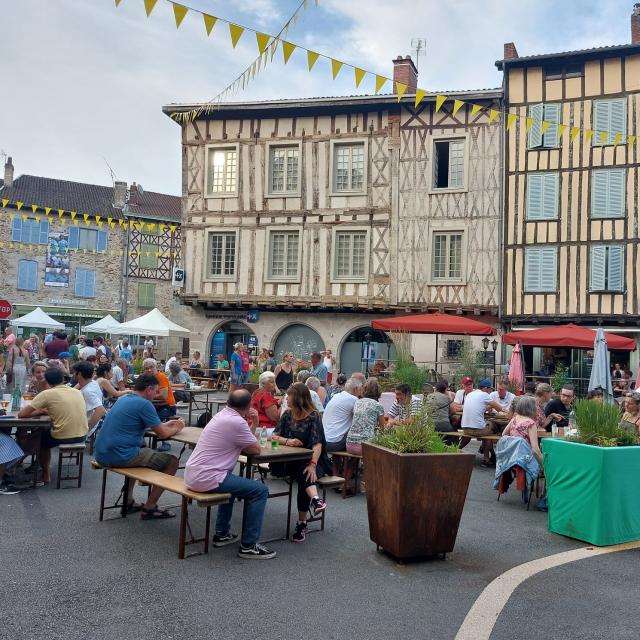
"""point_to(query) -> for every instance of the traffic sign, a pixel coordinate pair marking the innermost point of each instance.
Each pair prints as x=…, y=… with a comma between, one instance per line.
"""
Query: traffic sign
x=5, y=309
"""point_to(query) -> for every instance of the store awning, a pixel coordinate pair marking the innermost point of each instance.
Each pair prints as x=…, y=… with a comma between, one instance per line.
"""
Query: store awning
x=441, y=323
x=154, y=323
x=66, y=312
x=37, y=319
x=567, y=335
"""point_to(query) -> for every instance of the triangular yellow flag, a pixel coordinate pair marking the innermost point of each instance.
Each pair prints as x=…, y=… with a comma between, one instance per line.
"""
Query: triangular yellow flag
x=236, y=33
x=336, y=65
x=588, y=134
x=34, y=207
x=312, y=57
x=24, y=216
x=475, y=108
x=440, y=100
x=263, y=41
x=604, y=136
x=617, y=139
x=287, y=50
x=209, y=22
x=38, y=218
x=511, y=118
x=561, y=129
x=420, y=94
x=457, y=104
x=98, y=219
x=149, y=5
x=61, y=213
x=19, y=205
x=380, y=82
x=118, y=2
x=574, y=133
x=401, y=88
x=173, y=227
x=73, y=215
x=47, y=211
x=86, y=217
x=359, y=75
x=631, y=140
x=493, y=114
x=5, y=201
x=545, y=125
x=179, y=12
x=528, y=124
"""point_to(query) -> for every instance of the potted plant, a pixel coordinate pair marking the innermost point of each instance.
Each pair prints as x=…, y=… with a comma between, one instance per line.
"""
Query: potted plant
x=416, y=488
x=592, y=478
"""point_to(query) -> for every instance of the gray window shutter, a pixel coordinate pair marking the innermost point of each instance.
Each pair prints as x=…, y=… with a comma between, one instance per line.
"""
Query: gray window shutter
x=80, y=282
x=534, y=196
x=16, y=229
x=550, y=195
x=551, y=114
x=601, y=118
x=23, y=274
x=598, y=268
x=532, y=269
x=33, y=275
x=618, y=118
x=616, y=193
x=616, y=268
x=548, y=268
x=90, y=286
x=536, y=112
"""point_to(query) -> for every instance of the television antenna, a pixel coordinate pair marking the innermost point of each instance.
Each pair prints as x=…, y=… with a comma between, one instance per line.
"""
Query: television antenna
x=418, y=48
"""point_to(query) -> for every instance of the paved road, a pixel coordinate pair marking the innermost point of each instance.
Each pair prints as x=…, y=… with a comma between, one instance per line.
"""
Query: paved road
x=66, y=575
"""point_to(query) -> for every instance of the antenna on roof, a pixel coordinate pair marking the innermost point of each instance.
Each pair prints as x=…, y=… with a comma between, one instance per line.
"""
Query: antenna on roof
x=111, y=171
x=418, y=48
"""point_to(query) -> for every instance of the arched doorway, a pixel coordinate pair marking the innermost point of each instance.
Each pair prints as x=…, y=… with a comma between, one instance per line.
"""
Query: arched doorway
x=226, y=335
x=352, y=357
x=300, y=339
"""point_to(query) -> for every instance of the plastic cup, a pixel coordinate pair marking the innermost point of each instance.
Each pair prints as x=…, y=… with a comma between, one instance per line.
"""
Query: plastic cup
x=554, y=430
x=274, y=443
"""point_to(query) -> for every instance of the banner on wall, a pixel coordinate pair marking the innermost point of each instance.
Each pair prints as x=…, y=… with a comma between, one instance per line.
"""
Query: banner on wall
x=56, y=272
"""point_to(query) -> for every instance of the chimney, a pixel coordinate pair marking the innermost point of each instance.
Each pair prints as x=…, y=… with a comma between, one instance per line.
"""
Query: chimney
x=119, y=195
x=510, y=51
x=405, y=71
x=635, y=24
x=8, y=173
x=133, y=194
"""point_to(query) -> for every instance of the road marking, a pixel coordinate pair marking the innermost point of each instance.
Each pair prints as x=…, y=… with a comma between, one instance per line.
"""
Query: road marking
x=482, y=617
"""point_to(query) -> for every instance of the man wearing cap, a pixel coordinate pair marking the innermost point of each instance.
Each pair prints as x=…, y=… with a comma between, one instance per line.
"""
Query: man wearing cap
x=466, y=388
x=473, y=420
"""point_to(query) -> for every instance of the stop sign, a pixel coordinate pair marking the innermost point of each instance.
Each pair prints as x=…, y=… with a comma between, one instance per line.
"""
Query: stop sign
x=5, y=309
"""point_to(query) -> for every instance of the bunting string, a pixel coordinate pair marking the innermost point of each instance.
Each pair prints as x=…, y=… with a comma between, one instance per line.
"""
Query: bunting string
x=267, y=45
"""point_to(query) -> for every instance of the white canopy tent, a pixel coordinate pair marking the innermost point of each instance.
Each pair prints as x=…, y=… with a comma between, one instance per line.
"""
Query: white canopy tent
x=37, y=319
x=108, y=324
x=154, y=323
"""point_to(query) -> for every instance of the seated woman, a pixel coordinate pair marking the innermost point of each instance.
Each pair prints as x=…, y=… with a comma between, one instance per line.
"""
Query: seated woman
x=368, y=418
x=524, y=425
x=109, y=393
x=179, y=380
x=630, y=420
x=38, y=383
x=301, y=426
x=265, y=402
x=543, y=395
x=441, y=406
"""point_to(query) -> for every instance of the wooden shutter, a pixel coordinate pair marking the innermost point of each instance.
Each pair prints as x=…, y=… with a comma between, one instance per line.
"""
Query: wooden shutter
x=617, y=118
x=536, y=112
x=532, y=269
x=598, y=268
x=550, y=195
x=548, y=268
x=90, y=284
x=102, y=240
x=27, y=275
x=616, y=193
x=601, y=118
x=16, y=229
x=551, y=114
x=80, y=282
x=44, y=232
x=534, y=196
x=616, y=268
x=74, y=237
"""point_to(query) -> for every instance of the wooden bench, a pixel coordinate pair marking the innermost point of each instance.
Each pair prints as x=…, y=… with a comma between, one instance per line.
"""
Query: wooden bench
x=461, y=434
x=173, y=484
x=350, y=469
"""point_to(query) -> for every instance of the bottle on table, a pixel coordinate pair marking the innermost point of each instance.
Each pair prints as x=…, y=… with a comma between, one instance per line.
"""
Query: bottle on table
x=572, y=420
x=16, y=399
x=263, y=437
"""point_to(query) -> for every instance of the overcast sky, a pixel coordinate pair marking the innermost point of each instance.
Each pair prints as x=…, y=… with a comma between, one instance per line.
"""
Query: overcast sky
x=84, y=82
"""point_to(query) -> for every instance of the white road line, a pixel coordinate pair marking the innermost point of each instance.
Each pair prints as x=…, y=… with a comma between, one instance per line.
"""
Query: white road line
x=484, y=613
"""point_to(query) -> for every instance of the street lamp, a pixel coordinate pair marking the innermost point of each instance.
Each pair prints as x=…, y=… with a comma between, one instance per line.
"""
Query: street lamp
x=494, y=346
x=485, y=343
x=367, y=341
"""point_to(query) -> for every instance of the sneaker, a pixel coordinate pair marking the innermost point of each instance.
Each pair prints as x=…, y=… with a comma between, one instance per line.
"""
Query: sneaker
x=318, y=506
x=164, y=446
x=300, y=534
x=256, y=552
x=223, y=539
x=8, y=490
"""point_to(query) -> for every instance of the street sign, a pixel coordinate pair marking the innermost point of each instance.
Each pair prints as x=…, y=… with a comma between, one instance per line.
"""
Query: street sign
x=5, y=309
x=178, y=277
x=253, y=315
x=253, y=341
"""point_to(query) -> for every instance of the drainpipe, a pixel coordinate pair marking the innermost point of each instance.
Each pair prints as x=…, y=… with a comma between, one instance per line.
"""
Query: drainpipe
x=502, y=204
x=125, y=272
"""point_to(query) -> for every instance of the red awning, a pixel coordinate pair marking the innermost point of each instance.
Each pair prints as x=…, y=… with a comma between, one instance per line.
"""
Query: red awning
x=567, y=335
x=435, y=323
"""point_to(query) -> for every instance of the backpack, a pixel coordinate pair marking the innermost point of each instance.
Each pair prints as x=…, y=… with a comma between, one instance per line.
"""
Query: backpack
x=204, y=419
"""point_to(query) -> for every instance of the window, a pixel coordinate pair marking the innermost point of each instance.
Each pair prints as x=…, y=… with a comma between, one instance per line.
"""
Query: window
x=448, y=164
x=85, y=283
x=454, y=349
x=607, y=268
x=609, y=116
x=608, y=193
x=349, y=167
x=222, y=255
x=146, y=295
x=540, y=113
x=222, y=171
x=543, y=195
x=90, y=239
x=27, y=275
x=283, y=255
x=350, y=255
x=284, y=169
x=559, y=70
x=540, y=269
x=447, y=256
x=30, y=231
x=148, y=257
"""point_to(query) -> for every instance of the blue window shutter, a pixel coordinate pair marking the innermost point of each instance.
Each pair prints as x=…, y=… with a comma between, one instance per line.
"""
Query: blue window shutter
x=618, y=118
x=74, y=234
x=33, y=275
x=599, y=193
x=601, y=119
x=550, y=195
x=534, y=196
x=598, y=268
x=16, y=229
x=536, y=112
x=616, y=193
x=548, y=268
x=616, y=268
x=44, y=232
x=532, y=269
x=80, y=279
x=22, y=274
x=551, y=114
x=27, y=275
x=102, y=240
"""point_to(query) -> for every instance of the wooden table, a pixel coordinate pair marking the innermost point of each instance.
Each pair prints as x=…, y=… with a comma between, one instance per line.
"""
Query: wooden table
x=193, y=402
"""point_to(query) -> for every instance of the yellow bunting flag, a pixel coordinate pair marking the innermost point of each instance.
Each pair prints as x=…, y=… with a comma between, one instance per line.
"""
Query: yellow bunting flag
x=38, y=218
x=47, y=210
x=336, y=65
x=312, y=58
x=209, y=22
x=457, y=104
x=179, y=12
x=12, y=216
x=263, y=41
x=63, y=220
x=287, y=50
x=173, y=227
x=61, y=213
x=588, y=134
x=401, y=88
x=543, y=128
x=528, y=124
x=604, y=136
x=5, y=202
x=24, y=216
x=475, y=108
x=617, y=139
x=100, y=223
x=574, y=133
x=84, y=251
x=149, y=5
x=21, y=246
x=493, y=114
x=632, y=140
x=440, y=100
x=19, y=205
x=74, y=214
x=125, y=225
x=359, y=75
x=420, y=94
x=235, y=31
x=118, y=2
x=86, y=218
x=98, y=219
x=120, y=252
x=162, y=226
x=511, y=118
x=34, y=207
x=561, y=129
x=75, y=222
x=151, y=226
x=380, y=82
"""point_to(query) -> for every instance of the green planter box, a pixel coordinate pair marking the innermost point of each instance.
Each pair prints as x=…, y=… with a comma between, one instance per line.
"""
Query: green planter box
x=593, y=492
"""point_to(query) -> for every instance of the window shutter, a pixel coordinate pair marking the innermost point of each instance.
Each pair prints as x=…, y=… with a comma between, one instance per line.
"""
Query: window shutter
x=33, y=275
x=44, y=232
x=16, y=229
x=599, y=193
x=550, y=195
x=551, y=114
x=598, y=268
x=534, y=196
x=102, y=240
x=618, y=118
x=601, y=119
x=90, y=284
x=616, y=269
x=548, y=268
x=23, y=274
x=74, y=234
x=80, y=280
x=616, y=193
x=536, y=112
x=532, y=270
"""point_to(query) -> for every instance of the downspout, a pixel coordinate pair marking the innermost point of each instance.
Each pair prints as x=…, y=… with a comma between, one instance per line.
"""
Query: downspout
x=501, y=206
x=125, y=270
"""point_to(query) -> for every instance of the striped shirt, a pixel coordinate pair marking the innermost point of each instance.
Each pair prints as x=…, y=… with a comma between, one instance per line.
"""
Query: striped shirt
x=399, y=411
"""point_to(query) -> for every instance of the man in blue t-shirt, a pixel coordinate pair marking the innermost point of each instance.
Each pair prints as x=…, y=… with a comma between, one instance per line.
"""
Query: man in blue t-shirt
x=125, y=352
x=121, y=437
x=235, y=365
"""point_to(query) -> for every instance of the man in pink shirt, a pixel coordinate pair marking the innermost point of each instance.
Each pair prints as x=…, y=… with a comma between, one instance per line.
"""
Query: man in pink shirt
x=210, y=467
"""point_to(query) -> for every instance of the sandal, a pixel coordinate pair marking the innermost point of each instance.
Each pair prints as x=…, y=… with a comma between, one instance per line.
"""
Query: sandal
x=134, y=507
x=156, y=514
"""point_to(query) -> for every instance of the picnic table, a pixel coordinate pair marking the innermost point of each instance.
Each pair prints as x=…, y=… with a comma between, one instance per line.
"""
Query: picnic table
x=194, y=403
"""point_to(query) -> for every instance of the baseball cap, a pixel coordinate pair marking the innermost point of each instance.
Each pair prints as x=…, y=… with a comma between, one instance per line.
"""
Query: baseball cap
x=64, y=354
x=485, y=382
x=466, y=380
